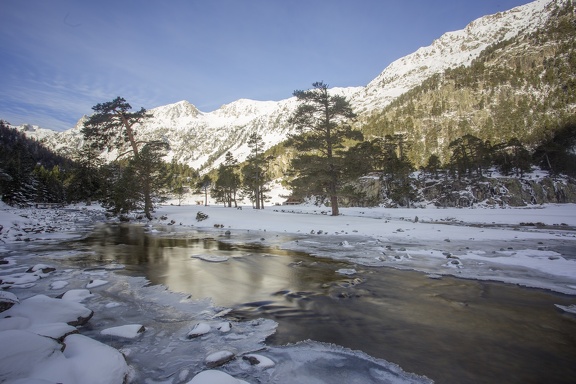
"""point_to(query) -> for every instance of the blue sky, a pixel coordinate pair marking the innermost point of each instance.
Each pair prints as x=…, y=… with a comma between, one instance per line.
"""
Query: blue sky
x=59, y=58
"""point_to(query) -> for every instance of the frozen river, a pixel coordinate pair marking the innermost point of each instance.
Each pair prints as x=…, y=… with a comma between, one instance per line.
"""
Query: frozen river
x=448, y=329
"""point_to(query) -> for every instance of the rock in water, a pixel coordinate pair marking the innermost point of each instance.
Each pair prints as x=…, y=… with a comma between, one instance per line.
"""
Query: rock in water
x=215, y=377
x=219, y=358
x=198, y=330
x=22, y=350
x=7, y=300
x=129, y=331
x=41, y=309
x=259, y=361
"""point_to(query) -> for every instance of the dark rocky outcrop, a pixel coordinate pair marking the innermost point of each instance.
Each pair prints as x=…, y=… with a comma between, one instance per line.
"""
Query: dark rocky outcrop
x=486, y=191
x=501, y=191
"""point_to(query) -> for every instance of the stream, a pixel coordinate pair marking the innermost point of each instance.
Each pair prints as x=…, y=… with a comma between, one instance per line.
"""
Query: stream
x=451, y=330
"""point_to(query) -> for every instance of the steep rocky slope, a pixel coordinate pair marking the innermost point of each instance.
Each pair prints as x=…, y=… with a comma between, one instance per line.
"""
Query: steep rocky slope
x=523, y=87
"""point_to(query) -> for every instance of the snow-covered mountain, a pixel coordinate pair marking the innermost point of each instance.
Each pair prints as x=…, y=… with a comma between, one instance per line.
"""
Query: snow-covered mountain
x=202, y=139
x=451, y=50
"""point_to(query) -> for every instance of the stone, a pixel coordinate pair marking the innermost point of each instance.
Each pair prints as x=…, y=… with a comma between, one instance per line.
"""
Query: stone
x=42, y=268
x=51, y=311
x=7, y=300
x=218, y=359
x=198, y=330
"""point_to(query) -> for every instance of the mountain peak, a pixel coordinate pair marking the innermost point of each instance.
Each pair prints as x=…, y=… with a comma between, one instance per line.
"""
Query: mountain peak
x=174, y=115
x=180, y=108
x=450, y=50
x=246, y=106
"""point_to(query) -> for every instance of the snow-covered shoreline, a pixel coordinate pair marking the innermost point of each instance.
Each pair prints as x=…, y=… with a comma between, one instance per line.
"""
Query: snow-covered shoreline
x=464, y=242
x=533, y=246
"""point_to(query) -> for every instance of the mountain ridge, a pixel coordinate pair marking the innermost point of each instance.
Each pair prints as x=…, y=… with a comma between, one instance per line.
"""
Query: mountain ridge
x=394, y=80
x=201, y=139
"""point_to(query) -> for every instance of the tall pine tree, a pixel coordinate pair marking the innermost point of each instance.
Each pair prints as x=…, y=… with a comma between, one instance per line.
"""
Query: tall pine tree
x=228, y=181
x=254, y=172
x=112, y=127
x=321, y=122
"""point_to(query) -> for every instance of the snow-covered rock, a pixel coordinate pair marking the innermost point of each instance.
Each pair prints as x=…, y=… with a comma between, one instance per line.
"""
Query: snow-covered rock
x=57, y=331
x=45, y=269
x=90, y=362
x=215, y=377
x=219, y=358
x=96, y=283
x=38, y=345
x=225, y=326
x=14, y=322
x=23, y=351
x=41, y=309
x=58, y=284
x=7, y=300
x=259, y=361
x=199, y=330
x=129, y=331
x=77, y=295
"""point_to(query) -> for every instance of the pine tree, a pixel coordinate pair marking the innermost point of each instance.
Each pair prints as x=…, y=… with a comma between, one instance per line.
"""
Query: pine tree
x=31, y=171
x=112, y=127
x=121, y=190
x=322, y=125
x=204, y=186
x=396, y=168
x=511, y=156
x=469, y=155
x=228, y=182
x=557, y=153
x=85, y=179
x=433, y=165
x=255, y=172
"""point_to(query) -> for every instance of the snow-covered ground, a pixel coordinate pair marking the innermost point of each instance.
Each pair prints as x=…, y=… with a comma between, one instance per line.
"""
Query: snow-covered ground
x=533, y=246
x=170, y=338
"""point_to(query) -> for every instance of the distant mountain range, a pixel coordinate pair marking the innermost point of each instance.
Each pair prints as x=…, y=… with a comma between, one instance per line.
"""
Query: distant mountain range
x=402, y=98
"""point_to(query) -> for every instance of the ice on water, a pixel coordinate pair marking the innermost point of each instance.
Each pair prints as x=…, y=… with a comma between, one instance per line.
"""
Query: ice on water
x=164, y=353
x=151, y=326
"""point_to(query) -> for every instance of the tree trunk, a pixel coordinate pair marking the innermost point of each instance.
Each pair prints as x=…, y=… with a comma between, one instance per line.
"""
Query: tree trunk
x=147, y=199
x=334, y=195
x=334, y=204
x=257, y=197
x=130, y=133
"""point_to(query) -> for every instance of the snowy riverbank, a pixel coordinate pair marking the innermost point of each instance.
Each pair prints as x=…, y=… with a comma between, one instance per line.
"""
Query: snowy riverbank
x=155, y=329
x=534, y=246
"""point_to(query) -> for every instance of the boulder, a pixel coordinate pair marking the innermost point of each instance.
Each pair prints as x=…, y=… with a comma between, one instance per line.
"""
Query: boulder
x=215, y=377
x=41, y=309
x=219, y=358
x=129, y=331
x=198, y=330
x=7, y=300
x=22, y=350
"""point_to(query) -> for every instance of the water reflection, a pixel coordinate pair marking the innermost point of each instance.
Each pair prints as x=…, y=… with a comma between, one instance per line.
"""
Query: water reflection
x=250, y=274
x=450, y=330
